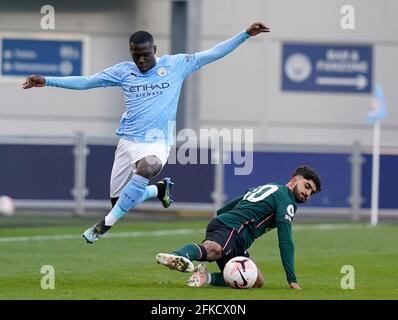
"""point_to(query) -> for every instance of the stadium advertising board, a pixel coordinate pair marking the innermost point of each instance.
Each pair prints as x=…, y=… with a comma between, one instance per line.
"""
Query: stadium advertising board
x=326, y=68
x=50, y=57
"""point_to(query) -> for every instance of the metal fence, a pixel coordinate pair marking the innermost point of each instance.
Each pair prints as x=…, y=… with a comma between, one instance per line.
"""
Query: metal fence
x=216, y=178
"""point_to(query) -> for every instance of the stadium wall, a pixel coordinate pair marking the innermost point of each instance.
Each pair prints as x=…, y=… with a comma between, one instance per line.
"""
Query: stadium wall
x=107, y=25
x=247, y=79
x=73, y=173
x=250, y=78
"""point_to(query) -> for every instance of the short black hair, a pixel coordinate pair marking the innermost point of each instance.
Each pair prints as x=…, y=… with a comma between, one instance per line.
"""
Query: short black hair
x=310, y=174
x=141, y=37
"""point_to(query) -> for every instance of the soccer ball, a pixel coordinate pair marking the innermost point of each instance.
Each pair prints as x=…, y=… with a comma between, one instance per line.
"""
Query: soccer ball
x=6, y=206
x=240, y=273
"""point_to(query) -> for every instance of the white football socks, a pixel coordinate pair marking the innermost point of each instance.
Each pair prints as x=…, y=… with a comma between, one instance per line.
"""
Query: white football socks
x=110, y=219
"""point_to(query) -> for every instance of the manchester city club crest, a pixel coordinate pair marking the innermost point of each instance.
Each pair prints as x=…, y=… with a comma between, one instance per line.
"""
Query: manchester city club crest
x=162, y=71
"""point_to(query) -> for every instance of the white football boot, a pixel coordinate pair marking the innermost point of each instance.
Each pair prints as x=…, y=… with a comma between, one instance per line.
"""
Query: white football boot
x=174, y=262
x=199, y=277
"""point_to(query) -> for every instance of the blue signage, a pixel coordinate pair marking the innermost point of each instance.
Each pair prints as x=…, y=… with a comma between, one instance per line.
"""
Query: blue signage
x=22, y=57
x=328, y=68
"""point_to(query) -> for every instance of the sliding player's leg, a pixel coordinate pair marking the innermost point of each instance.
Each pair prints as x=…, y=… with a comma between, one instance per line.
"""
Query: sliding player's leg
x=175, y=262
x=210, y=250
x=202, y=277
x=223, y=243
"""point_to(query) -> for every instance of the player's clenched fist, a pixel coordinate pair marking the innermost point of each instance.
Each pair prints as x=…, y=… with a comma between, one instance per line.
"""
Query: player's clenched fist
x=34, y=81
x=295, y=285
x=256, y=28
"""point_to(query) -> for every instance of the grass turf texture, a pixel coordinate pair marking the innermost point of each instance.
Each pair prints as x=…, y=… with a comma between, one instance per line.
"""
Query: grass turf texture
x=124, y=268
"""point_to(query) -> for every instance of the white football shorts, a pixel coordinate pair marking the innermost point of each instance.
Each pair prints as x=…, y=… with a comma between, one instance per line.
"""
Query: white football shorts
x=127, y=154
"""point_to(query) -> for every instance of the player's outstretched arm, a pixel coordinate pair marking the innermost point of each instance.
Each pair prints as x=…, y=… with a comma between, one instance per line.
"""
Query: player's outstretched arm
x=224, y=48
x=34, y=81
x=105, y=78
x=72, y=82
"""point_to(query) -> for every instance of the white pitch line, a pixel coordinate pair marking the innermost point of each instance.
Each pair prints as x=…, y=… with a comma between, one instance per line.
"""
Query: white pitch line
x=329, y=227
x=163, y=233
x=157, y=233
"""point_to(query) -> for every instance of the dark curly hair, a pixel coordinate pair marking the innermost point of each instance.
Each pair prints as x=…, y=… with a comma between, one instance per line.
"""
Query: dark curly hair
x=141, y=37
x=310, y=174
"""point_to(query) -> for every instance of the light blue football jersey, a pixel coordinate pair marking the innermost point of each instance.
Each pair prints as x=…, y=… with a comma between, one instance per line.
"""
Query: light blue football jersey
x=151, y=98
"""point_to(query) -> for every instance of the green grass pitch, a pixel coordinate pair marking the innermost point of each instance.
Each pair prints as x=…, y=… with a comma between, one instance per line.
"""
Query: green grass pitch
x=121, y=266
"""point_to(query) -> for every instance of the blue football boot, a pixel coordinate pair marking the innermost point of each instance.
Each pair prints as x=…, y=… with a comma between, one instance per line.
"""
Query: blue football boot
x=93, y=234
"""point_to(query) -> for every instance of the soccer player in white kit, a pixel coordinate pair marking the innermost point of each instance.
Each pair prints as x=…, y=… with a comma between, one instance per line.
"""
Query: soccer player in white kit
x=151, y=87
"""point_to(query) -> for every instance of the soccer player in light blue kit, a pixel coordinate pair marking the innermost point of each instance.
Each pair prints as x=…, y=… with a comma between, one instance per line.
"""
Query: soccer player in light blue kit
x=151, y=87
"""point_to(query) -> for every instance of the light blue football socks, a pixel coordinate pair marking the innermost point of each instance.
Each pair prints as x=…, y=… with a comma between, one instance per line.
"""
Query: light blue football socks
x=134, y=193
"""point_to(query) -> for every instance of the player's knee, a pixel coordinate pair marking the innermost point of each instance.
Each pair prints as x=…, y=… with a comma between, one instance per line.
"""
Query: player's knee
x=214, y=254
x=213, y=249
x=148, y=170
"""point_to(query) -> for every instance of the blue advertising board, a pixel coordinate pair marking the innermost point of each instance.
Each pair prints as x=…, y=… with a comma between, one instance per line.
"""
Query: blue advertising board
x=327, y=68
x=47, y=57
x=277, y=167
